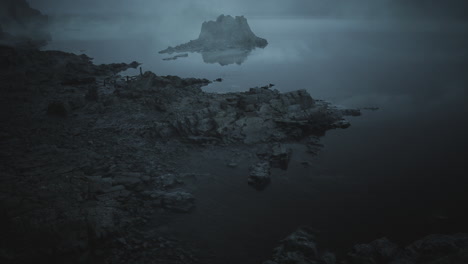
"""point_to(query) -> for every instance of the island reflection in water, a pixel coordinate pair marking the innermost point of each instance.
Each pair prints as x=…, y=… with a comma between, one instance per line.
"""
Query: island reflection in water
x=226, y=57
x=221, y=57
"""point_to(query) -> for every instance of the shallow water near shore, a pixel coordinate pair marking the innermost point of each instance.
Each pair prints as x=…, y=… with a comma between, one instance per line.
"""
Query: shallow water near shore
x=397, y=172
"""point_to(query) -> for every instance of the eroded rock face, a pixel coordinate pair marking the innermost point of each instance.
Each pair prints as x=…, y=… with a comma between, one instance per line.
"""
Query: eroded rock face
x=225, y=33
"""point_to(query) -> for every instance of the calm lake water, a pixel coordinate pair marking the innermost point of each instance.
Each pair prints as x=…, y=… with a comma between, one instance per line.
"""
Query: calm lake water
x=398, y=172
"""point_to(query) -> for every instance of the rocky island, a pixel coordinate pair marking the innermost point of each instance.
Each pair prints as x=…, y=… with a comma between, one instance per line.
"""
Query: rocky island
x=227, y=40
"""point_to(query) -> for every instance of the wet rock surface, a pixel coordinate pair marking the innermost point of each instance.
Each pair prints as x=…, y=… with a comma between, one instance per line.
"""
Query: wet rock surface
x=88, y=155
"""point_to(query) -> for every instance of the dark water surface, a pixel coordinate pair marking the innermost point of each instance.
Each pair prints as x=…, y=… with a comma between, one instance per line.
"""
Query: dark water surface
x=398, y=172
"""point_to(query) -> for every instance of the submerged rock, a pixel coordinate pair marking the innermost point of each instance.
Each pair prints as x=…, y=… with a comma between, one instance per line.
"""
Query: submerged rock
x=259, y=176
x=280, y=156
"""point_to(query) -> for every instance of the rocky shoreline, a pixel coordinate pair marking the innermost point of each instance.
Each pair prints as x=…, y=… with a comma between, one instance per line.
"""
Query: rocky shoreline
x=88, y=156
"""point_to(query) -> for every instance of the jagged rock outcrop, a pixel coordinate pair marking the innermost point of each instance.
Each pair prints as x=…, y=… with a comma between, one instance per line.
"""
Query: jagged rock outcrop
x=225, y=33
x=22, y=25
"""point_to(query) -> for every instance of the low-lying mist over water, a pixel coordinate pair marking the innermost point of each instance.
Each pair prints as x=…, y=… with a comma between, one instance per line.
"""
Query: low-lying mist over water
x=398, y=172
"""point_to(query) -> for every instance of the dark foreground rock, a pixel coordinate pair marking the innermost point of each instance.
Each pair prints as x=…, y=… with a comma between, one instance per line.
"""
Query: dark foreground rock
x=301, y=248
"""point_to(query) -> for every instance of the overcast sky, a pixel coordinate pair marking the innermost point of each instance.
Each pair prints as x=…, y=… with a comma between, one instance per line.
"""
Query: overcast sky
x=341, y=8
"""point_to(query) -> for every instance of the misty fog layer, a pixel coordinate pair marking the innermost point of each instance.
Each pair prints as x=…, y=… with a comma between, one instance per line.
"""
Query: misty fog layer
x=389, y=174
x=433, y=9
